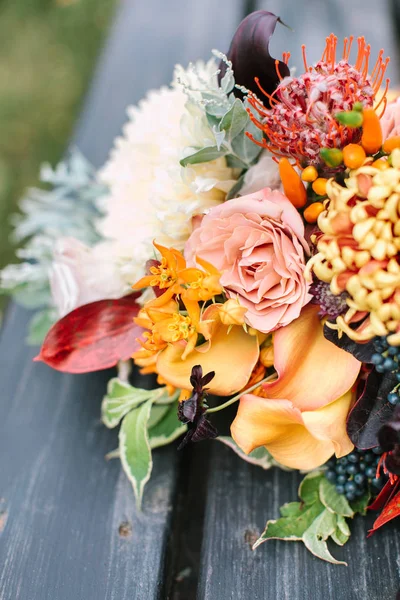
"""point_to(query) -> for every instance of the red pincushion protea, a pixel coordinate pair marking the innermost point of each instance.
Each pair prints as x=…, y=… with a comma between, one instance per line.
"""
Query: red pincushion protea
x=300, y=120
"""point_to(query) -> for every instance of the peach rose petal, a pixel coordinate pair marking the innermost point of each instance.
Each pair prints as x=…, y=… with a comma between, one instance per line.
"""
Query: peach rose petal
x=312, y=372
x=232, y=356
x=257, y=242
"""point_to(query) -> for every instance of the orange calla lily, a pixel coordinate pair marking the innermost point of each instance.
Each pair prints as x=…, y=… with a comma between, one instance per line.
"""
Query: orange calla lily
x=301, y=419
x=231, y=355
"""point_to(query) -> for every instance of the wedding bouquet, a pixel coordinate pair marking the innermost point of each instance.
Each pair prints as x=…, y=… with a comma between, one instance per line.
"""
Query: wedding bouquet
x=242, y=244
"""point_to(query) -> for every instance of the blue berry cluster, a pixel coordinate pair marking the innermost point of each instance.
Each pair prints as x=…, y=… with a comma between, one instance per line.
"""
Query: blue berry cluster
x=355, y=473
x=387, y=360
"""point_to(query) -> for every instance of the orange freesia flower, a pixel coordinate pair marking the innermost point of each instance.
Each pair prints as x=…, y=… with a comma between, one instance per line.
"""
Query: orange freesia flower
x=301, y=419
x=172, y=275
x=164, y=276
x=201, y=285
x=231, y=355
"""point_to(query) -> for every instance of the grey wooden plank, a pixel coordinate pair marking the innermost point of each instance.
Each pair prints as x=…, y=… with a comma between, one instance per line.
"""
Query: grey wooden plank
x=240, y=499
x=313, y=20
x=62, y=505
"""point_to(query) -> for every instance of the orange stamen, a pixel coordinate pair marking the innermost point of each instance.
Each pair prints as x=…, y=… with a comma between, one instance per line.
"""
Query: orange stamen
x=277, y=70
x=383, y=99
x=303, y=50
x=269, y=96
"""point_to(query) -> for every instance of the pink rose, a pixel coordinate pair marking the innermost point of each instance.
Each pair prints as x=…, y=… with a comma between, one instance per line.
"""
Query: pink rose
x=258, y=244
x=390, y=121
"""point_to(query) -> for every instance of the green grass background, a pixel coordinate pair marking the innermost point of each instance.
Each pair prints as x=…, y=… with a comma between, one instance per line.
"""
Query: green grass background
x=48, y=49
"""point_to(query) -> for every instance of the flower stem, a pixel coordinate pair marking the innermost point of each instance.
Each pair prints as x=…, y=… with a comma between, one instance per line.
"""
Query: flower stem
x=238, y=396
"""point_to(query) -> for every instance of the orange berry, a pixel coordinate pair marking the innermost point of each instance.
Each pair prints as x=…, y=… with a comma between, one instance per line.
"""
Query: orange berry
x=313, y=211
x=309, y=174
x=354, y=156
x=381, y=164
x=292, y=185
x=319, y=186
x=391, y=144
x=371, y=139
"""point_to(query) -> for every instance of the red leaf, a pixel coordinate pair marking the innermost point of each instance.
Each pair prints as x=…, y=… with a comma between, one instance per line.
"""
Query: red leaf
x=391, y=510
x=383, y=497
x=93, y=337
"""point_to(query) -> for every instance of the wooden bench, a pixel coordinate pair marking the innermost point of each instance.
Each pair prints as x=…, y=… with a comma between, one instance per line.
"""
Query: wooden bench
x=69, y=529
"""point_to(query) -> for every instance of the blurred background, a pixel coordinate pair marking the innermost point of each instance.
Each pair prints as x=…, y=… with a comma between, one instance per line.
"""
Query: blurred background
x=49, y=48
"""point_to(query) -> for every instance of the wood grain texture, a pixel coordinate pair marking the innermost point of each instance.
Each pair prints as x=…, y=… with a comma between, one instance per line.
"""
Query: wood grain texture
x=313, y=20
x=69, y=529
x=64, y=503
x=240, y=499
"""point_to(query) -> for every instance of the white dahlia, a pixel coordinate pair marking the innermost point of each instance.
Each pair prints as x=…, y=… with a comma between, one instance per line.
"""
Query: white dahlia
x=151, y=196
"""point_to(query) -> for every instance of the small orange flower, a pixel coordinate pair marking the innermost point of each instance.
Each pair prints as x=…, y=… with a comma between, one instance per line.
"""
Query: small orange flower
x=201, y=285
x=165, y=276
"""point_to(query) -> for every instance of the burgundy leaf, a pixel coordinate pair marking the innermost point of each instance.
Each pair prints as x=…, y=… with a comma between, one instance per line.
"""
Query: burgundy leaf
x=362, y=352
x=250, y=57
x=372, y=410
x=93, y=337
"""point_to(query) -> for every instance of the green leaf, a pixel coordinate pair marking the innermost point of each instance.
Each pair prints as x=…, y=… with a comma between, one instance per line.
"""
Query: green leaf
x=343, y=526
x=158, y=412
x=121, y=397
x=168, y=429
x=320, y=516
x=244, y=147
x=219, y=137
x=360, y=505
x=235, y=163
x=204, y=155
x=293, y=527
x=260, y=457
x=291, y=509
x=234, y=121
x=316, y=535
x=339, y=537
x=235, y=189
x=334, y=502
x=309, y=487
x=134, y=447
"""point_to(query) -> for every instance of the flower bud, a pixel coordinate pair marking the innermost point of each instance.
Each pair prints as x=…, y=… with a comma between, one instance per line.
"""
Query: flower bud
x=232, y=313
x=332, y=157
x=350, y=118
x=267, y=356
x=250, y=57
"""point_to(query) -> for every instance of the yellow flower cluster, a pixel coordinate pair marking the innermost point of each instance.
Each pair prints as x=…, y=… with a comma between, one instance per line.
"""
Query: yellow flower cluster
x=358, y=251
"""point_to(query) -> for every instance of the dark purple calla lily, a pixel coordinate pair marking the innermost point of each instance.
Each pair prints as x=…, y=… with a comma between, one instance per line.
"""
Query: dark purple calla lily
x=249, y=54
